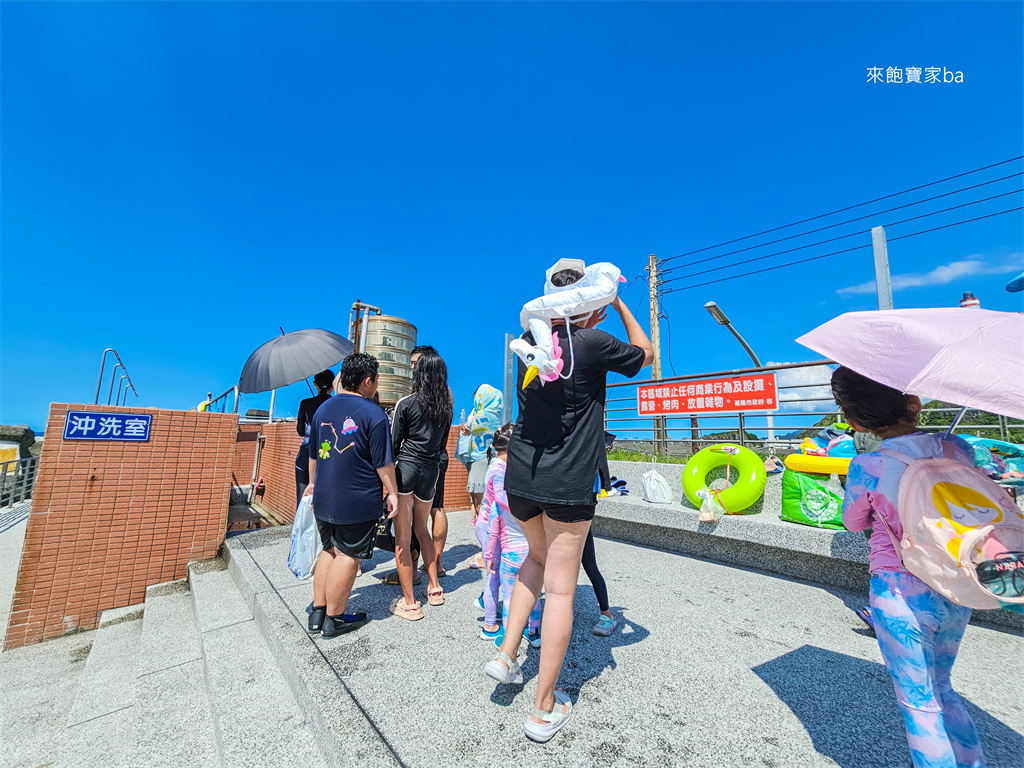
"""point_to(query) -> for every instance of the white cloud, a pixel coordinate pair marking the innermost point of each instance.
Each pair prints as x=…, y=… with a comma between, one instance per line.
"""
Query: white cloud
x=814, y=382
x=941, y=275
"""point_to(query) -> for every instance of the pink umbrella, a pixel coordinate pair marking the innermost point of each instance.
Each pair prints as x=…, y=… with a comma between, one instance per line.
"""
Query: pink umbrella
x=969, y=357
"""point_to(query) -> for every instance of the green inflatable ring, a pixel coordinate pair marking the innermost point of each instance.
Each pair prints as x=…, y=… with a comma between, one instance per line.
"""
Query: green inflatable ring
x=746, y=466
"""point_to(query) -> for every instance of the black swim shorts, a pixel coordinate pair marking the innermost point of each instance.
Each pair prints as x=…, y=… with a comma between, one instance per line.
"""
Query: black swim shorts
x=527, y=509
x=418, y=479
x=355, y=540
x=439, y=488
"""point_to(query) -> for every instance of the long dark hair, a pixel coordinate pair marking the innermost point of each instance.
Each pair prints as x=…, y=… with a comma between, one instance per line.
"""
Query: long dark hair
x=870, y=404
x=430, y=385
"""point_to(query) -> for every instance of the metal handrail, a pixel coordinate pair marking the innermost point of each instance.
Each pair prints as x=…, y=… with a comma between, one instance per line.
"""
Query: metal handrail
x=692, y=430
x=17, y=479
x=99, y=381
x=229, y=391
x=720, y=374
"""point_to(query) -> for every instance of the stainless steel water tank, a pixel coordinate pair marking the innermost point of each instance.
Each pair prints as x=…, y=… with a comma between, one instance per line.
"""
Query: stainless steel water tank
x=391, y=341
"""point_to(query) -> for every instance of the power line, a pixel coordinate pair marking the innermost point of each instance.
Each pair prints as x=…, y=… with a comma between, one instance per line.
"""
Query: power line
x=848, y=208
x=668, y=328
x=836, y=253
x=839, y=224
x=840, y=237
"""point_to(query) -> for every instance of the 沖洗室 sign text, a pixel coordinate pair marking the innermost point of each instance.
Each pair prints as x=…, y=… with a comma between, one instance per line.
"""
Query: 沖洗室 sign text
x=756, y=392
x=94, y=425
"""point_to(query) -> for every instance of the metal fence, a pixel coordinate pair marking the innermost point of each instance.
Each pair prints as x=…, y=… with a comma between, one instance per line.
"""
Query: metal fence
x=17, y=479
x=806, y=406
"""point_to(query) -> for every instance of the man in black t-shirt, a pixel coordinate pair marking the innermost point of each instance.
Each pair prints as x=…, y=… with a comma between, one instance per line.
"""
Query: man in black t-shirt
x=350, y=463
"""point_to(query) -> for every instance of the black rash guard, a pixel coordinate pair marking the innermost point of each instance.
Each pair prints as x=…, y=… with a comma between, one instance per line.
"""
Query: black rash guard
x=414, y=437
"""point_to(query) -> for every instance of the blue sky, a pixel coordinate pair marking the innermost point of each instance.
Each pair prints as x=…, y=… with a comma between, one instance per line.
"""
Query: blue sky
x=179, y=179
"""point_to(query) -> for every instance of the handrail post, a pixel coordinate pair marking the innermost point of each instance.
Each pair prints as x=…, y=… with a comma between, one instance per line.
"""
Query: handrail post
x=113, y=373
x=103, y=364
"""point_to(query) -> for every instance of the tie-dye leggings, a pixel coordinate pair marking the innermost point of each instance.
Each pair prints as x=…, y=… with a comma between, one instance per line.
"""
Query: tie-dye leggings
x=491, y=580
x=511, y=562
x=919, y=633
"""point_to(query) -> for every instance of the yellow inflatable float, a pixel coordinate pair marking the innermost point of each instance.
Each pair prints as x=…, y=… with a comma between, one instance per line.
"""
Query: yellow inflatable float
x=817, y=465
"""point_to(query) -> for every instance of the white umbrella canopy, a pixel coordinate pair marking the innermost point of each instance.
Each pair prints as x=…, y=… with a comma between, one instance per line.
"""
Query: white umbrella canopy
x=969, y=357
x=292, y=357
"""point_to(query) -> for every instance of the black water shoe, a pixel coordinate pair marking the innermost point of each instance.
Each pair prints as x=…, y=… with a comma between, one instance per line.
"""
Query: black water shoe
x=340, y=625
x=316, y=619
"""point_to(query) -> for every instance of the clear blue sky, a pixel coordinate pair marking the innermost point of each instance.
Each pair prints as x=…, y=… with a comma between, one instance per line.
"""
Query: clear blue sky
x=179, y=179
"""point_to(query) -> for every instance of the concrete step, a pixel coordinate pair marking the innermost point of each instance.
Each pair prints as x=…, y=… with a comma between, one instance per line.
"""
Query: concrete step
x=173, y=720
x=256, y=719
x=100, y=725
x=345, y=732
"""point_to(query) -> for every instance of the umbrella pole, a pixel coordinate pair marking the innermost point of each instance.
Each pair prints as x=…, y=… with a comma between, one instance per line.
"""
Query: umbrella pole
x=273, y=395
x=956, y=422
x=305, y=380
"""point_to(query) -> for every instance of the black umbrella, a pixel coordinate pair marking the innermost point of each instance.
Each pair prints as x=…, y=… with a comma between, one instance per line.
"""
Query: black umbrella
x=292, y=357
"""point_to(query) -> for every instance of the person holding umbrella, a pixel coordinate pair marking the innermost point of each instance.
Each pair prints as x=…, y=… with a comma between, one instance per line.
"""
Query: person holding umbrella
x=324, y=381
x=918, y=629
x=975, y=359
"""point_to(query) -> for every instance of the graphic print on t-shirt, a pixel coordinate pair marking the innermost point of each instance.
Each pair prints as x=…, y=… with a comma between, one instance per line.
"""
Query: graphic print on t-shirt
x=325, y=447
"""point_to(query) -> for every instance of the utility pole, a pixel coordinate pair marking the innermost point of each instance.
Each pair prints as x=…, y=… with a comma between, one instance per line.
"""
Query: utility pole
x=659, y=421
x=652, y=269
x=882, y=285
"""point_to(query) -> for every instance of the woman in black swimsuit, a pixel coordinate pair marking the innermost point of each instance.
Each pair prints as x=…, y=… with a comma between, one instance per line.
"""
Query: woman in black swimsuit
x=419, y=433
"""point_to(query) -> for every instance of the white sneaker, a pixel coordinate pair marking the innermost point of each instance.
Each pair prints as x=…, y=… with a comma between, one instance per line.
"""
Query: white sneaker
x=552, y=720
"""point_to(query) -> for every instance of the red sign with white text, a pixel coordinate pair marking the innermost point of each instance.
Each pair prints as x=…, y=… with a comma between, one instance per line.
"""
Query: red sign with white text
x=756, y=392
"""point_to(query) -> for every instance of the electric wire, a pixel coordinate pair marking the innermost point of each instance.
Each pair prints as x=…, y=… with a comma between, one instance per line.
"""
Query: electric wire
x=668, y=333
x=847, y=208
x=839, y=237
x=836, y=253
x=833, y=226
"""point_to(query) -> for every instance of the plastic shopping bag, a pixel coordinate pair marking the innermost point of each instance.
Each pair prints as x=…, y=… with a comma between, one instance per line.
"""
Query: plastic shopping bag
x=463, y=447
x=656, y=488
x=305, y=548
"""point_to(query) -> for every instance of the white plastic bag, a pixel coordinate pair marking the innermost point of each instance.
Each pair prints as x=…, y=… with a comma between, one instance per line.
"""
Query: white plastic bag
x=656, y=488
x=305, y=548
x=835, y=487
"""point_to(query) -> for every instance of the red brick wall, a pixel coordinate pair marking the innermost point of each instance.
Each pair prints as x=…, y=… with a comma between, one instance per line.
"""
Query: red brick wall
x=277, y=468
x=110, y=518
x=455, y=496
x=245, y=453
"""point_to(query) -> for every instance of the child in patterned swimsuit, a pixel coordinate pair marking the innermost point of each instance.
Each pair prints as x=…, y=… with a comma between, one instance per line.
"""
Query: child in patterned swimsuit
x=918, y=630
x=505, y=541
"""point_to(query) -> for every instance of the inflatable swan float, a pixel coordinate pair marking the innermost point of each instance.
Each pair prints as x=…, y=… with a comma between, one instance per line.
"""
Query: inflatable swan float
x=598, y=288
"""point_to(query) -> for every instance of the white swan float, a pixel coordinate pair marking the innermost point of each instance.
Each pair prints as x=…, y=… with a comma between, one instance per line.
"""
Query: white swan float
x=598, y=288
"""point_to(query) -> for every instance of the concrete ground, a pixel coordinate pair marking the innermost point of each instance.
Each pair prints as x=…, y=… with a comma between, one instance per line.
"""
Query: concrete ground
x=13, y=522
x=712, y=666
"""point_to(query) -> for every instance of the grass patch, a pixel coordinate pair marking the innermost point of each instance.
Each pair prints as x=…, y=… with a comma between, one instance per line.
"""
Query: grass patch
x=617, y=454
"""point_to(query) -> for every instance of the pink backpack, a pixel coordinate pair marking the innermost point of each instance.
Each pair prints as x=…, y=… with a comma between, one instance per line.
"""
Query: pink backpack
x=962, y=534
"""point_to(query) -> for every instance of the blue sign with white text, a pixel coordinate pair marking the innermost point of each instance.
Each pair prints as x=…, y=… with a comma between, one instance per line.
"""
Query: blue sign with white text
x=93, y=425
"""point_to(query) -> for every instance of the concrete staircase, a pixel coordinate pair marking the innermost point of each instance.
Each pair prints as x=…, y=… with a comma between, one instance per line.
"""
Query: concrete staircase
x=185, y=679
